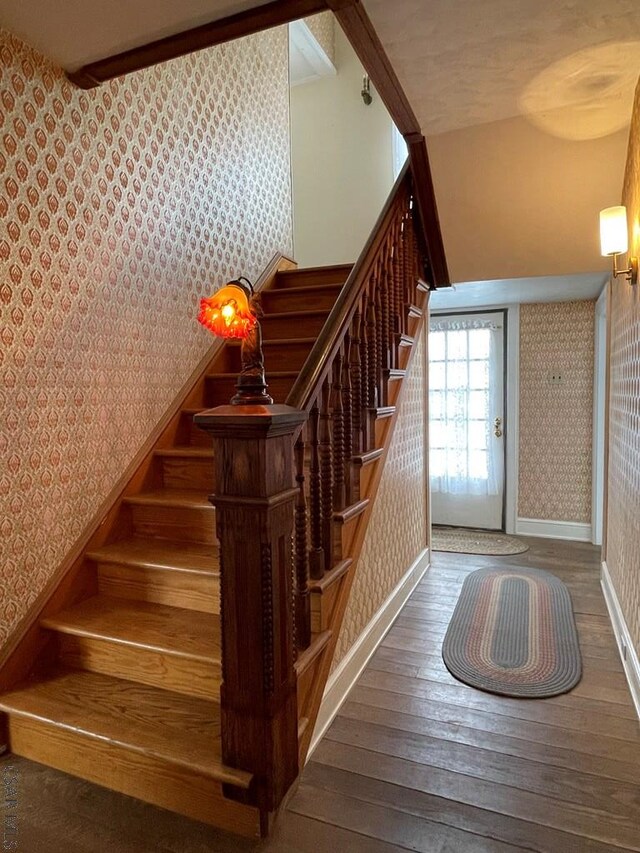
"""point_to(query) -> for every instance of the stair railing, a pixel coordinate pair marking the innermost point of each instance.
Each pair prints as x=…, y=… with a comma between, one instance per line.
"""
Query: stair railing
x=343, y=385
x=285, y=480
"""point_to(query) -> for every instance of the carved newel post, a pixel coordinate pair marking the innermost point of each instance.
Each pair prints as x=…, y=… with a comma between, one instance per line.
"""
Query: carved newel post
x=254, y=496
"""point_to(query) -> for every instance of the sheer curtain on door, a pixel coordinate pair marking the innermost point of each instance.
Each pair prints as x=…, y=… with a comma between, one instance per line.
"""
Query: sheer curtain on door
x=464, y=354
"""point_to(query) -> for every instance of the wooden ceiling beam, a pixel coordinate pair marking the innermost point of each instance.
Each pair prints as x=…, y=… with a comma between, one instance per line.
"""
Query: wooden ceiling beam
x=358, y=28
x=217, y=32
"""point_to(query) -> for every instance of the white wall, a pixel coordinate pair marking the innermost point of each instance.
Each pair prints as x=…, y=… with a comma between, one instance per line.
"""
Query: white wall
x=342, y=163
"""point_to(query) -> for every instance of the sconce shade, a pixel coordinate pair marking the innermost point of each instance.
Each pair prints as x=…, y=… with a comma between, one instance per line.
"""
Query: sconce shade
x=227, y=312
x=614, y=238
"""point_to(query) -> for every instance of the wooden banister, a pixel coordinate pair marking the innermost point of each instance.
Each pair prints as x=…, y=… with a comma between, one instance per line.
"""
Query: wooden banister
x=322, y=355
x=290, y=496
x=344, y=389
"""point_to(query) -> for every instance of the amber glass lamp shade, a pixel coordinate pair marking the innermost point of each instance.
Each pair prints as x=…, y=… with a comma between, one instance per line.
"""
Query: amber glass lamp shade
x=227, y=313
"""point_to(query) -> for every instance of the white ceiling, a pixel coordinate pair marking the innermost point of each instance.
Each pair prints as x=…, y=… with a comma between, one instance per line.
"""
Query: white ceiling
x=461, y=62
x=468, y=62
x=484, y=294
x=76, y=32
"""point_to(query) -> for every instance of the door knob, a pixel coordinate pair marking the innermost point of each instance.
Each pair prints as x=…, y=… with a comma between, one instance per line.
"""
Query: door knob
x=497, y=428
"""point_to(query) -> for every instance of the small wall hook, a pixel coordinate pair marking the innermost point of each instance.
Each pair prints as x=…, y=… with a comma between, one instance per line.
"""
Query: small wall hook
x=366, y=91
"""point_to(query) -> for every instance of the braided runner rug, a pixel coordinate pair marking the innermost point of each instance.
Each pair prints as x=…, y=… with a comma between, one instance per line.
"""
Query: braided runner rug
x=463, y=541
x=513, y=633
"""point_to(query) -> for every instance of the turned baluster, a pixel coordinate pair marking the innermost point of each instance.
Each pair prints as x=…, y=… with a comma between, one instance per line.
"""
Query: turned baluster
x=326, y=473
x=316, y=555
x=409, y=261
x=337, y=411
x=348, y=426
x=391, y=299
x=302, y=610
x=364, y=374
x=385, y=325
x=379, y=339
x=372, y=352
x=355, y=369
x=398, y=277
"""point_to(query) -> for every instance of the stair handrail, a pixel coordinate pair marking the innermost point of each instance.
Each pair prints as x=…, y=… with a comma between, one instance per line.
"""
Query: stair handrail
x=319, y=360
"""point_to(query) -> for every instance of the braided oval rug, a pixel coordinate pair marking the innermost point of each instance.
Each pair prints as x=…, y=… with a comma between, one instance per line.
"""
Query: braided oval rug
x=513, y=633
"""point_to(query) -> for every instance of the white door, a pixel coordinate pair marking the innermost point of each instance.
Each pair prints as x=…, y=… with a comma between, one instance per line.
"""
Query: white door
x=466, y=419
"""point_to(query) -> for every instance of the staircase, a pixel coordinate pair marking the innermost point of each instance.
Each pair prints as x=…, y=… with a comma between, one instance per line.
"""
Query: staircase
x=118, y=680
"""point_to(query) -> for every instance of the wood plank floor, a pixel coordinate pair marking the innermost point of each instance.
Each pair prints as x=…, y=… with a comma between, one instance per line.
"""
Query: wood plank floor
x=416, y=760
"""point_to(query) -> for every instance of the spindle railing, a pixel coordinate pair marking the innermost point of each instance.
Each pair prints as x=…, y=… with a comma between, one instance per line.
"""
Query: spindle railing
x=343, y=385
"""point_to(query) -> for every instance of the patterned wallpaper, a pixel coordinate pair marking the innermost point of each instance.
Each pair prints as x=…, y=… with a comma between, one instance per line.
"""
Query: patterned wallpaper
x=623, y=516
x=556, y=420
x=119, y=209
x=322, y=27
x=397, y=530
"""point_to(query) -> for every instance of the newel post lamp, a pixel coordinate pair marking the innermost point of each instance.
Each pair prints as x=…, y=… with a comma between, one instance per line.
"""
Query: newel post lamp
x=234, y=311
x=614, y=241
x=254, y=498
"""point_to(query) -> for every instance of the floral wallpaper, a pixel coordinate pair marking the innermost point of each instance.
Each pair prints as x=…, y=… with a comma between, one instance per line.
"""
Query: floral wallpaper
x=119, y=208
x=397, y=531
x=556, y=420
x=623, y=513
x=322, y=27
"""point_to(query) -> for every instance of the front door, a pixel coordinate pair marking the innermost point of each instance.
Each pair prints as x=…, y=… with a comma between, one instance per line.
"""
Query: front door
x=466, y=419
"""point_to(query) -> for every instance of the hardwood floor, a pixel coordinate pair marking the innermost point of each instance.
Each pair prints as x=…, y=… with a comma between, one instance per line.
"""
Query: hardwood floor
x=416, y=760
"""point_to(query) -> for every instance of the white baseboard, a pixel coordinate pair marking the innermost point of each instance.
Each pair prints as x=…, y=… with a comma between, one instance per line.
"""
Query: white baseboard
x=348, y=670
x=548, y=529
x=628, y=653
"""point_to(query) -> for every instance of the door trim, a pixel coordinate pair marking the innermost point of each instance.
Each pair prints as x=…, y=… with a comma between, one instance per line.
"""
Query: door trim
x=511, y=405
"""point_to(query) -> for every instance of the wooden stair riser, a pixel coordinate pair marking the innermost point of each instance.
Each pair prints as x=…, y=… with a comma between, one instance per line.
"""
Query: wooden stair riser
x=365, y=474
x=189, y=590
x=343, y=537
x=182, y=472
x=323, y=607
x=220, y=390
x=300, y=299
x=380, y=424
x=275, y=327
x=278, y=356
x=156, y=668
x=195, y=436
x=415, y=319
x=313, y=277
x=192, y=524
x=139, y=775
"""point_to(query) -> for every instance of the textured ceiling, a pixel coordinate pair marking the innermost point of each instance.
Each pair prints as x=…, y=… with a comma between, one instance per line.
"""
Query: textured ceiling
x=75, y=32
x=466, y=62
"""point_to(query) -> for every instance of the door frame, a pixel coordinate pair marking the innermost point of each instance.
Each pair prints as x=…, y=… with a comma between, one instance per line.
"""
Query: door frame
x=511, y=385
x=600, y=404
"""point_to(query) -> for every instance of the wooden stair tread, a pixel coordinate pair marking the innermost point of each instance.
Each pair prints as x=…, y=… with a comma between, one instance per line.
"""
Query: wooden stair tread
x=160, y=554
x=383, y=411
x=314, y=312
x=180, y=729
x=185, y=451
x=157, y=627
x=317, y=644
x=171, y=497
x=319, y=269
x=330, y=577
x=394, y=373
x=351, y=511
x=272, y=374
x=306, y=288
x=275, y=342
x=368, y=457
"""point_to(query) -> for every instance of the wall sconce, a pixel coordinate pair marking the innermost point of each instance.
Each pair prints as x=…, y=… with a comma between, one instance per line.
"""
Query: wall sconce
x=233, y=311
x=614, y=240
